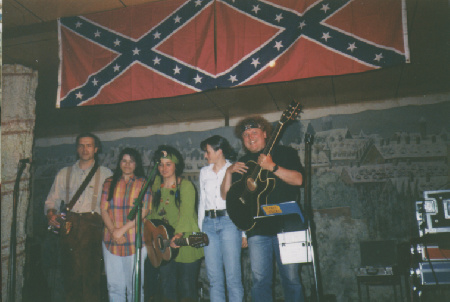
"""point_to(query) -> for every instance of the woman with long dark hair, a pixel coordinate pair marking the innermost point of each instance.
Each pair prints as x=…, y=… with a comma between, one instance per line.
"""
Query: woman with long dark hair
x=225, y=240
x=119, y=194
x=174, y=204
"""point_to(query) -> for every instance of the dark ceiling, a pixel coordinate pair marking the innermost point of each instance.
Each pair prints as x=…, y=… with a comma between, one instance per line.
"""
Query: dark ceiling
x=30, y=39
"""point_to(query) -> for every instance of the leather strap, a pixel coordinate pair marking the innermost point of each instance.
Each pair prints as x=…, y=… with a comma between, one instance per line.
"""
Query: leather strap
x=69, y=172
x=94, y=196
x=82, y=187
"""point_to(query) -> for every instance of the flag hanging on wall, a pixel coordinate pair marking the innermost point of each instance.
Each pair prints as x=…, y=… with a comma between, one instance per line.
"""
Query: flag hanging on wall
x=177, y=47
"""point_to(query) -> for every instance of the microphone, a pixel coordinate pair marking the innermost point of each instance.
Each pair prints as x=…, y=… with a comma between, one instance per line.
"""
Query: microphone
x=161, y=154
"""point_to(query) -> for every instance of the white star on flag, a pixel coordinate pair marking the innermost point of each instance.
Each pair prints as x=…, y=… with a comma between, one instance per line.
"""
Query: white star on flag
x=233, y=78
x=302, y=24
x=326, y=36
x=325, y=7
x=256, y=9
x=156, y=61
x=176, y=70
x=157, y=35
x=378, y=57
x=255, y=62
x=198, y=79
x=351, y=46
x=278, y=18
x=278, y=45
x=136, y=51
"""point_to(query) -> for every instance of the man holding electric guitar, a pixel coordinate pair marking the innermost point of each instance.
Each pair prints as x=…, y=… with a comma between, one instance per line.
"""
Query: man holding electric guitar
x=80, y=186
x=271, y=174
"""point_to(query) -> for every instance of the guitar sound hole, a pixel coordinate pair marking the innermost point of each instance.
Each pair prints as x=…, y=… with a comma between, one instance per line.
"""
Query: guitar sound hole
x=251, y=184
x=161, y=243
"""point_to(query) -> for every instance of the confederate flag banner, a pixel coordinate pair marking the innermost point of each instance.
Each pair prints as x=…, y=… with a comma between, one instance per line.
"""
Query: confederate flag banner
x=177, y=47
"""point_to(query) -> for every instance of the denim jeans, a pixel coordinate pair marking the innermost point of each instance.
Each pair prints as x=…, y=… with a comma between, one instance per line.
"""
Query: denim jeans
x=262, y=249
x=223, y=251
x=120, y=275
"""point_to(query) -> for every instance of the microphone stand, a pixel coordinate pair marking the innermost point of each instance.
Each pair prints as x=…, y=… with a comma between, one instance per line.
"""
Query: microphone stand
x=137, y=210
x=13, y=237
x=309, y=140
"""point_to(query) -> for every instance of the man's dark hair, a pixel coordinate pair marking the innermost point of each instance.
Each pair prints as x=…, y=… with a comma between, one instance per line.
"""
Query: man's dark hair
x=218, y=142
x=255, y=121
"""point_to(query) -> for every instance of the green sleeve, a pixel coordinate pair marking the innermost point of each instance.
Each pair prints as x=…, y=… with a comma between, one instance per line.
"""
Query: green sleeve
x=188, y=223
x=188, y=216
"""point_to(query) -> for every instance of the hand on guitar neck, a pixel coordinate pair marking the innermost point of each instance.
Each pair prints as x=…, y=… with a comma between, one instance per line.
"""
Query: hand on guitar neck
x=175, y=242
x=160, y=247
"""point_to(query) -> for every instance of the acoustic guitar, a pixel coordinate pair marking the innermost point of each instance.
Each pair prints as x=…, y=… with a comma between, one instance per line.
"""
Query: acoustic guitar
x=247, y=195
x=157, y=235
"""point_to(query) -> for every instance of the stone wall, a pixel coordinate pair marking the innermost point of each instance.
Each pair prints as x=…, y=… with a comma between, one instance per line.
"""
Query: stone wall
x=18, y=119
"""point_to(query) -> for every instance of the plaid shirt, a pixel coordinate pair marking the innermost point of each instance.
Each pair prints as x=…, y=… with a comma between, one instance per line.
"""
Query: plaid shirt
x=118, y=208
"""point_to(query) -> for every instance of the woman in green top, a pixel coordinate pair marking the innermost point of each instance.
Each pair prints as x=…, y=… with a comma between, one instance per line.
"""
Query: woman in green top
x=174, y=203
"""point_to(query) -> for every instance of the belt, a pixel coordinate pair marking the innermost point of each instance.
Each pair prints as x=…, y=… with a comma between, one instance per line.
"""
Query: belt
x=83, y=213
x=215, y=213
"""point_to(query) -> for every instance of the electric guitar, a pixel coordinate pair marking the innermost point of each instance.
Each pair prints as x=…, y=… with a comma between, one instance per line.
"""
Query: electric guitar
x=247, y=195
x=64, y=225
x=157, y=235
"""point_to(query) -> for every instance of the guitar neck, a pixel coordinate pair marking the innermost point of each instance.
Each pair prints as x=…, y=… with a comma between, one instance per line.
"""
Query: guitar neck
x=179, y=242
x=273, y=139
x=182, y=241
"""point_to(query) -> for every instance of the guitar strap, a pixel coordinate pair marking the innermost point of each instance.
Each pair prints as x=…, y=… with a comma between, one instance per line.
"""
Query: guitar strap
x=83, y=187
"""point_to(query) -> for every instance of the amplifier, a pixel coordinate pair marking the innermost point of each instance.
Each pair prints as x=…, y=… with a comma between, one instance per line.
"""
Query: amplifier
x=433, y=213
x=374, y=271
x=434, y=273
x=433, y=252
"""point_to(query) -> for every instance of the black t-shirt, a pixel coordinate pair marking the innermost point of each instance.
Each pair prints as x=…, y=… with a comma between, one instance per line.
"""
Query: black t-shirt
x=288, y=158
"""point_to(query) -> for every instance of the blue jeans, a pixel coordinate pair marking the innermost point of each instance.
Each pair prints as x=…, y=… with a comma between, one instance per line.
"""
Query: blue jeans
x=120, y=275
x=223, y=251
x=262, y=250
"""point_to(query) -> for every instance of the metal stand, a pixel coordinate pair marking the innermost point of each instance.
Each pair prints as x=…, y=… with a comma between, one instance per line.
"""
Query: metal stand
x=137, y=210
x=13, y=235
x=309, y=139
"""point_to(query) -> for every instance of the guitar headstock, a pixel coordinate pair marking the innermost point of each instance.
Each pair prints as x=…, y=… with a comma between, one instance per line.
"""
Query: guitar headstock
x=198, y=240
x=291, y=112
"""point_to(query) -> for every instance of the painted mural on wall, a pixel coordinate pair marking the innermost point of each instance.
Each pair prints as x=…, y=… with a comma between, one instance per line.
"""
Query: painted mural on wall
x=369, y=168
